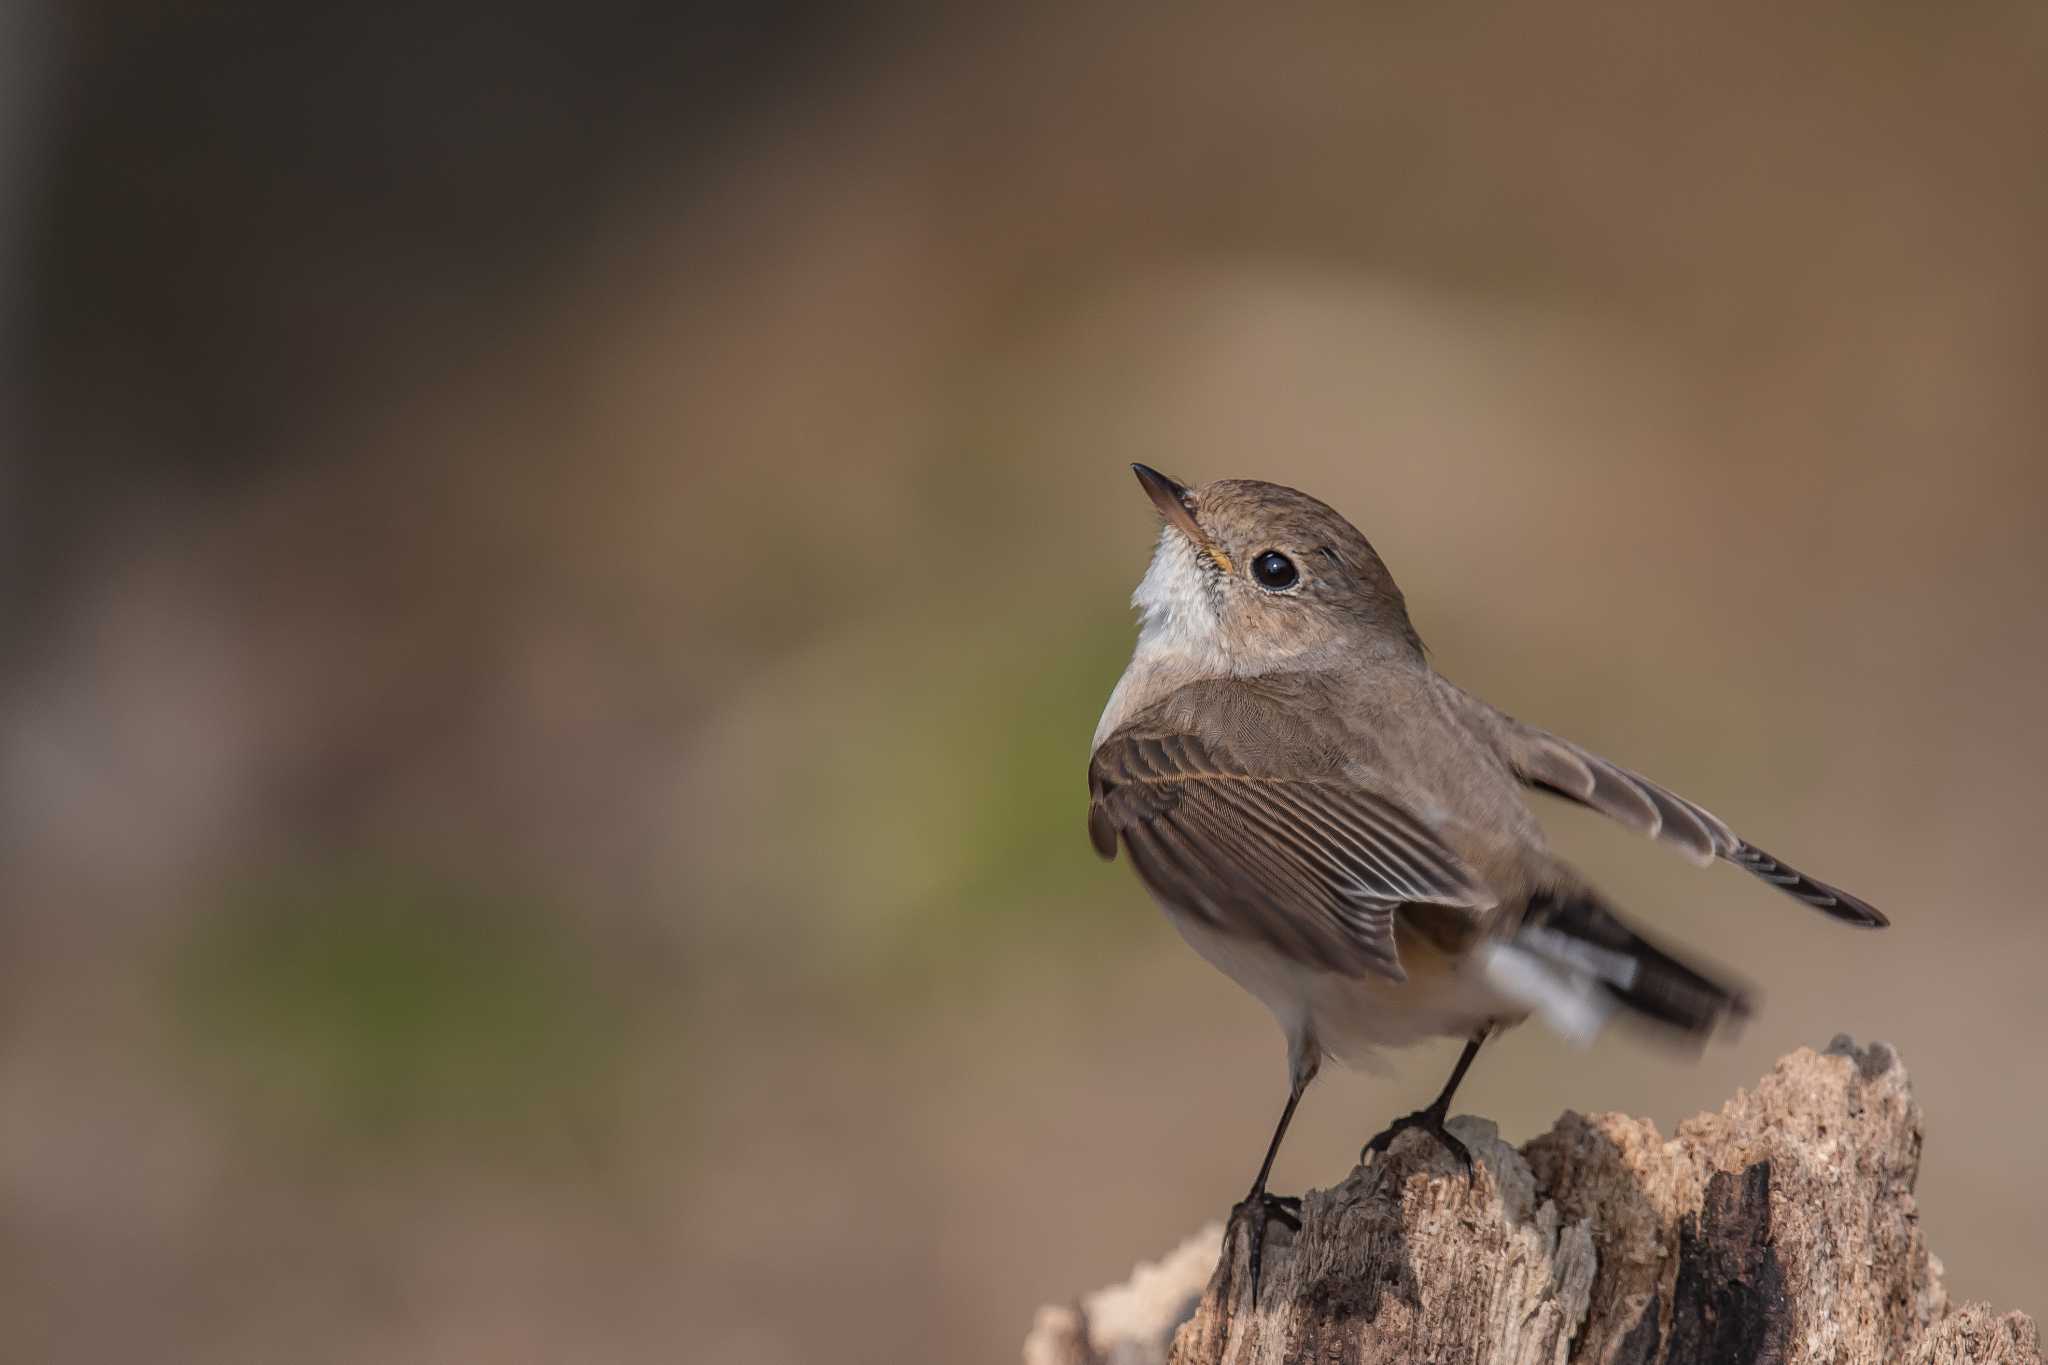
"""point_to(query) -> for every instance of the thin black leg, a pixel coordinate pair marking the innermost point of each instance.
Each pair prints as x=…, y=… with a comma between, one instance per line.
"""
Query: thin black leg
x=1273, y=1147
x=1262, y=1208
x=1431, y=1120
x=1442, y=1103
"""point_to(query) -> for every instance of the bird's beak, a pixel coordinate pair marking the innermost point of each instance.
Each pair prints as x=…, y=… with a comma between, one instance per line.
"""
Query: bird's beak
x=1172, y=501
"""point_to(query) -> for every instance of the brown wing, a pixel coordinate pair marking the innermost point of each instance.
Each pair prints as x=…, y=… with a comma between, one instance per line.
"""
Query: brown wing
x=1558, y=766
x=1313, y=866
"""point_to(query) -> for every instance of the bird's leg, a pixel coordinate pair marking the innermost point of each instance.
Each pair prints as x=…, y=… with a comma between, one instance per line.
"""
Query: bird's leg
x=1258, y=1207
x=1431, y=1120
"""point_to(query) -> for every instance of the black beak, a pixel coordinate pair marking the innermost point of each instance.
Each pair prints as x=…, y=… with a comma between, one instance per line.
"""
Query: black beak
x=1172, y=501
x=1158, y=487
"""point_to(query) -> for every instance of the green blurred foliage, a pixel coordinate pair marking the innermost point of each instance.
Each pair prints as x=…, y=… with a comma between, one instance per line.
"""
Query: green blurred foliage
x=362, y=1004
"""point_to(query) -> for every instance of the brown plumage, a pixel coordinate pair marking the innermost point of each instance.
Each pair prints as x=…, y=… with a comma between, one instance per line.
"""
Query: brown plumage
x=1344, y=831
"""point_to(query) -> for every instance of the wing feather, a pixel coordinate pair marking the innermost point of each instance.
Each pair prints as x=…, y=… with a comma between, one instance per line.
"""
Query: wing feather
x=1315, y=866
x=1556, y=765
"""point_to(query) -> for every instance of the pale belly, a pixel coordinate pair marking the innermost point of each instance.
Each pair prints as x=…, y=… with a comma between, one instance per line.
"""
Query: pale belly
x=1351, y=1018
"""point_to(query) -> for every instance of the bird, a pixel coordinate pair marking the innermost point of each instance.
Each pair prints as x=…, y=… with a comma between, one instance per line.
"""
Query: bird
x=1347, y=834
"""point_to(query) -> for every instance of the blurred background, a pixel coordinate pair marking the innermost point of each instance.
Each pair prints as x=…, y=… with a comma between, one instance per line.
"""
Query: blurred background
x=559, y=565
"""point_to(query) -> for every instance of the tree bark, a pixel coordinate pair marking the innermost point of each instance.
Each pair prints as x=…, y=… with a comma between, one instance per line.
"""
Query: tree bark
x=1780, y=1230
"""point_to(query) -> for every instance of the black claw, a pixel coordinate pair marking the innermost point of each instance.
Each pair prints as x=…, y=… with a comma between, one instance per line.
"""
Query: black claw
x=1430, y=1121
x=1262, y=1208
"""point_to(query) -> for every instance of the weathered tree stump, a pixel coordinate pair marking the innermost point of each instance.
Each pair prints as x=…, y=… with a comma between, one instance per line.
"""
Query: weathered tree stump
x=1780, y=1230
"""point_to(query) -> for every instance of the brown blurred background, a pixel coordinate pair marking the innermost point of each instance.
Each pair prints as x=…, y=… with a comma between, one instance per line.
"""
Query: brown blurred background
x=559, y=566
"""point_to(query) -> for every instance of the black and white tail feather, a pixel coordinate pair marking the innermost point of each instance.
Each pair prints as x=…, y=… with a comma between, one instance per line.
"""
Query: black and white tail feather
x=1576, y=963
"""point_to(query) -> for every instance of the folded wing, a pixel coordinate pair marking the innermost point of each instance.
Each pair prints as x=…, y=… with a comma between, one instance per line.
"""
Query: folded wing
x=1313, y=866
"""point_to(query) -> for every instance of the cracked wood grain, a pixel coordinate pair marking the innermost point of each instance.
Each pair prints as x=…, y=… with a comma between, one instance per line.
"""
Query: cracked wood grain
x=1780, y=1230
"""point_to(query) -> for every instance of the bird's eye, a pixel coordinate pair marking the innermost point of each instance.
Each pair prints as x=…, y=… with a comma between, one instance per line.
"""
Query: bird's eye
x=1274, y=571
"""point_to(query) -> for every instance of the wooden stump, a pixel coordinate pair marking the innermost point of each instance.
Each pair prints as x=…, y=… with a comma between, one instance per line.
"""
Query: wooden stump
x=1781, y=1230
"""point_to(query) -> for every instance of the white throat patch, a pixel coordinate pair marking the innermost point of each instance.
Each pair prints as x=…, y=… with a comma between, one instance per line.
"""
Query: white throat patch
x=1179, y=635
x=1176, y=611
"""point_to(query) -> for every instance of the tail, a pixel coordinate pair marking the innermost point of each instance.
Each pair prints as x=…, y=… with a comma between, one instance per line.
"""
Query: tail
x=1576, y=962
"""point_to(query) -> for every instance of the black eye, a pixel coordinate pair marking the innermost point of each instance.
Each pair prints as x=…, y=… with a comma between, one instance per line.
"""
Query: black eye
x=1274, y=570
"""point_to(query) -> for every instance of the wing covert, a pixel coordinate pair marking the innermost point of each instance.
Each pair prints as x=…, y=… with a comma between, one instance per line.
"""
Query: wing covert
x=1315, y=866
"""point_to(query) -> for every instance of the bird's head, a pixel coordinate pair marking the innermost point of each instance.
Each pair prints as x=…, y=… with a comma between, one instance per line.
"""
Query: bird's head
x=1252, y=577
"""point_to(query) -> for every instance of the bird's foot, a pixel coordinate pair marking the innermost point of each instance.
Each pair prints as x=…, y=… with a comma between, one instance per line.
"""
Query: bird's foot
x=1258, y=1209
x=1430, y=1121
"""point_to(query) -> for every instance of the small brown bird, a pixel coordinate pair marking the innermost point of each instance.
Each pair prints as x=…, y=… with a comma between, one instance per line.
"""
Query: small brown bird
x=1343, y=831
